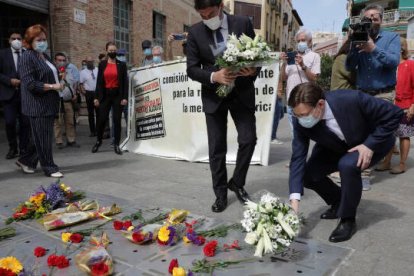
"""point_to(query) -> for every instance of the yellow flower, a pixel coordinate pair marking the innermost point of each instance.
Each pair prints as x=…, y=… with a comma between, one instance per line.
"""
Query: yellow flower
x=66, y=236
x=186, y=240
x=164, y=234
x=64, y=187
x=130, y=228
x=12, y=264
x=179, y=271
x=37, y=199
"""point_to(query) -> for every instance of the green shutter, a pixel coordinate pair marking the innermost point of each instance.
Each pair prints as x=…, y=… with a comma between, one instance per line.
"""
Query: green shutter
x=345, y=26
x=406, y=5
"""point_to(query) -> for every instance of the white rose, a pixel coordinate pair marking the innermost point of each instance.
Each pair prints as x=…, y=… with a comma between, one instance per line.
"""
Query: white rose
x=251, y=238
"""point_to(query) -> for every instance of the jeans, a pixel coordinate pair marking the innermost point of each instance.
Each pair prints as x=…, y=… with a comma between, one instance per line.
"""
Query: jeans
x=278, y=115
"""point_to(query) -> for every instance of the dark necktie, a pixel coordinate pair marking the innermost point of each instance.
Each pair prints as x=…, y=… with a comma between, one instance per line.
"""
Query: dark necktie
x=219, y=36
x=18, y=59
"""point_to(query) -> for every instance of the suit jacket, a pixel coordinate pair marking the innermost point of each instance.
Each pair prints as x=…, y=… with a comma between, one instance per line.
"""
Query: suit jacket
x=34, y=73
x=7, y=72
x=122, y=80
x=200, y=63
x=363, y=119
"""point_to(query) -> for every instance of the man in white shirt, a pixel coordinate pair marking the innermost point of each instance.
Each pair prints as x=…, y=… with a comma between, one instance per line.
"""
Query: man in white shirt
x=352, y=131
x=88, y=86
x=306, y=66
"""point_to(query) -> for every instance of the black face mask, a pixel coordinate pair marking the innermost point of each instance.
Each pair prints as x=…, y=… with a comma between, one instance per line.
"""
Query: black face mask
x=90, y=66
x=112, y=55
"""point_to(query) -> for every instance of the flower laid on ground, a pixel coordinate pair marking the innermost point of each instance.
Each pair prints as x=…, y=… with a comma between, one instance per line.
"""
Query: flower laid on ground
x=72, y=237
x=177, y=216
x=6, y=272
x=39, y=251
x=242, y=52
x=191, y=236
x=208, y=266
x=142, y=234
x=220, y=231
x=11, y=264
x=96, y=260
x=176, y=270
x=57, y=261
x=44, y=200
x=210, y=248
x=271, y=224
x=122, y=225
x=7, y=232
x=235, y=245
x=167, y=235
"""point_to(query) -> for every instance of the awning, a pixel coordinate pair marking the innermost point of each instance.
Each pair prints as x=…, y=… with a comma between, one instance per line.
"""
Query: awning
x=406, y=5
x=362, y=1
x=38, y=5
x=345, y=26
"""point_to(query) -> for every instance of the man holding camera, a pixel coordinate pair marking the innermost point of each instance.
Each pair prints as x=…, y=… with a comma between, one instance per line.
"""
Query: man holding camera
x=301, y=66
x=375, y=60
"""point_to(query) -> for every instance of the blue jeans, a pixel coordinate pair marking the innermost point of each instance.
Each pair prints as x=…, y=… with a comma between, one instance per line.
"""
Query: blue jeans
x=278, y=115
x=290, y=118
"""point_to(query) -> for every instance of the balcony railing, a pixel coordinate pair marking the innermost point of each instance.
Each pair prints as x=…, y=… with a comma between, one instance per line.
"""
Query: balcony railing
x=390, y=17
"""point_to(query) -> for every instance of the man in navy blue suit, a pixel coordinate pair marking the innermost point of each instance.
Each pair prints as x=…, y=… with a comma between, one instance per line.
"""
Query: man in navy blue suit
x=352, y=131
x=10, y=96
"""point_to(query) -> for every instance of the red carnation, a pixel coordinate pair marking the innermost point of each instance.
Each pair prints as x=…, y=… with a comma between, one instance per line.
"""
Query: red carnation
x=127, y=224
x=201, y=240
x=52, y=260
x=138, y=237
x=99, y=269
x=62, y=262
x=6, y=272
x=173, y=263
x=76, y=238
x=118, y=225
x=39, y=251
x=210, y=249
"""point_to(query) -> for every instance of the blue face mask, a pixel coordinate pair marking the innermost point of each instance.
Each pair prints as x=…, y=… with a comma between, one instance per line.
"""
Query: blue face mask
x=302, y=47
x=40, y=46
x=308, y=121
x=121, y=58
x=147, y=52
x=157, y=59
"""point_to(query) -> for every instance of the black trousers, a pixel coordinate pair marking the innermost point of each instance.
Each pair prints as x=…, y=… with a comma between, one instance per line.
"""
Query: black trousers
x=40, y=145
x=92, y=110
x=323, y=161
x=12, y=116
x=111, y=100
x=245, y=122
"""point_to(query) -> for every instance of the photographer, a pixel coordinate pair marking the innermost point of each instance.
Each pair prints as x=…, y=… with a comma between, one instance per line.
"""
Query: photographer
x=375, y=60
x=176, y=37
x=301, y=66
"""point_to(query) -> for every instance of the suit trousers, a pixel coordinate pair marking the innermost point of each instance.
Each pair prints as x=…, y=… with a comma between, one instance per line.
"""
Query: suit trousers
x=40, y=145
x=113, y=101
x=92, y=110
x=13, y=115
x=324, y=161
x=65, y=120
x=245, y=122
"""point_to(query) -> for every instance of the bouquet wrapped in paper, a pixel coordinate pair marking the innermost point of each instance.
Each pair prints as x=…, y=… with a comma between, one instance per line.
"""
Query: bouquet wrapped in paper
x=96, y=260
x=242, y=52
x=142, y=235
x=59, y=220
x=271, y=224
x=177, y=216
x=81, y=205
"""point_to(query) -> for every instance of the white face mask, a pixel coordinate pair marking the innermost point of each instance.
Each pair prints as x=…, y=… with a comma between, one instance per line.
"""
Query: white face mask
x=213, y=23
x=16, y=44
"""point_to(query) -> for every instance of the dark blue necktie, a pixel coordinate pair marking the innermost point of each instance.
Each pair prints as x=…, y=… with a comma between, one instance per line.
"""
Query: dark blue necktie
x=219, y=36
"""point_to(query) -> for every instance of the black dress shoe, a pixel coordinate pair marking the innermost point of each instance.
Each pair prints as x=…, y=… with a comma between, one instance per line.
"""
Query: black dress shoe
x=117, y=150
x=219, y=205
x=96, y=146
x=240, y=192
x=92, y=134
x=330, y=213
x=12, y=154
x=344, y=231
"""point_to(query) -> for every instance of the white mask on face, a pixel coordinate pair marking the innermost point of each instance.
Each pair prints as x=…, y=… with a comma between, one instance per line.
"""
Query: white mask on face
x=16, y=44
x=213, y=23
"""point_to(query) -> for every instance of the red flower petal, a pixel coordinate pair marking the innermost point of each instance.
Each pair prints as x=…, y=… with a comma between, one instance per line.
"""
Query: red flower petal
x=173, y=263
x=62, y=262
x=76, y=238
x=39, y=251
x=118, y=225
x=138, y=237
x=99, y=269
x=127, y=224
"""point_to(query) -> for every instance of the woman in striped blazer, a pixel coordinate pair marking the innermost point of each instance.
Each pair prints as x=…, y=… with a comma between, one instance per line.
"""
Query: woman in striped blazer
x=40, y=101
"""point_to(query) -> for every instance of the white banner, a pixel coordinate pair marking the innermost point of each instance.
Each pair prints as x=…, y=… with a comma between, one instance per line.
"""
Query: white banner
x=166, y=116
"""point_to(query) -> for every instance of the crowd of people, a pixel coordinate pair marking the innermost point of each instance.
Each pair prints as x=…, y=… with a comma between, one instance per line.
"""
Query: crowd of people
x=354, y=126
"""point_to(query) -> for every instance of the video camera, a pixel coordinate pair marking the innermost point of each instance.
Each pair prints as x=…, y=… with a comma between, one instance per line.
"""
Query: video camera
x=361, y=30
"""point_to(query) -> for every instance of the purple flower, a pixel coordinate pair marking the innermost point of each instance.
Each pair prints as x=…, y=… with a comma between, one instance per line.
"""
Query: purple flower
x=55, y=195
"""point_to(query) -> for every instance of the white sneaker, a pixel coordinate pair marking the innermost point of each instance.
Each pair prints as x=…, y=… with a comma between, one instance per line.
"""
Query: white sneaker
x=276, y=142
x=25, y=169
x=56, y=175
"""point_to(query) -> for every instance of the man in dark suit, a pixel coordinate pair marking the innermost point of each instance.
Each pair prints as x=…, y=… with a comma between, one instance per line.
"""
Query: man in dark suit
x=352, y=131
x=10, y=96
x=205, y=41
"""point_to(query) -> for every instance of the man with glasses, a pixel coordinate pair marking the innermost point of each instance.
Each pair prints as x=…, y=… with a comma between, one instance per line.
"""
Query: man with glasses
x=88, y=86
x=352, y=131
x=10, y=97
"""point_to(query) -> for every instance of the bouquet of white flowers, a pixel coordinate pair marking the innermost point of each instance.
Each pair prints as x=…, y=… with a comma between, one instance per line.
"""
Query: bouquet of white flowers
x=243, y=52
x=271, y=224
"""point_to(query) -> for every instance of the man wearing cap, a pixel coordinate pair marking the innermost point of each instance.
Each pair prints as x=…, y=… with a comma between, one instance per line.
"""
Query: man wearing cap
x=147, y=51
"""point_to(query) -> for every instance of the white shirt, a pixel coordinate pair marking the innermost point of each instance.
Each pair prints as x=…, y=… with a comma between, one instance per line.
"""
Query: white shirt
x=15, y=56
x=55, y=72
x=295, y=74
x=333, y=126
x=88, y=80
x=218, y=49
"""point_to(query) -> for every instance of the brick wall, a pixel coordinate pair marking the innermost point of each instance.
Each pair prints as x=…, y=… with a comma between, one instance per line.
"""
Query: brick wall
x=81, y=40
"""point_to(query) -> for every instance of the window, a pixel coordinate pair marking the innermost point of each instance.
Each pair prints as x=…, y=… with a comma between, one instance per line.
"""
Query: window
x=122, y=15
x=254, y=12
x=158, y=28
